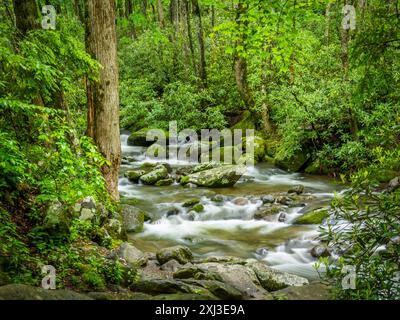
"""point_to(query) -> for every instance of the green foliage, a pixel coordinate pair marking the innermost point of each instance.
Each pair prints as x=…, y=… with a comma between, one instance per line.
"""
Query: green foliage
x=364, y=233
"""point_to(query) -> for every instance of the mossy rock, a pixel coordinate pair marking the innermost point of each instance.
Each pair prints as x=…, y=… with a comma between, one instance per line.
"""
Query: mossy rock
x=134, y=175
x=159, y=173
x=191, y=202
x=296, y=163
x=313, y=217
x=139, y=138
x=181, y=254
x=198, y=208
x=164, y=182
x=184, y=180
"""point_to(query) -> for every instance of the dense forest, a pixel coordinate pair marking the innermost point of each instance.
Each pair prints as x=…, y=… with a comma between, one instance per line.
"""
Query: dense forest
x=317, y=80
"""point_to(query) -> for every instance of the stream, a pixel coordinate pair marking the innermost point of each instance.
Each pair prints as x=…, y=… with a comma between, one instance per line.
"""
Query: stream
x=228, y=228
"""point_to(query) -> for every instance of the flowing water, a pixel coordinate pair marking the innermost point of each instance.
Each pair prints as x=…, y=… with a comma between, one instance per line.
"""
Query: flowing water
x=225, y=228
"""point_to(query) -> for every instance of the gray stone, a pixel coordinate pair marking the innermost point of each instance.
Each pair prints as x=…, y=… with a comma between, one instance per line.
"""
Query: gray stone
x=133, y=218
x=171, y=265
x=272, y=279
x=298, y=189
x=159, y=173
x=181, y=254
x=268, y=199
x=224, y=176
x=394, y=184
x=314, y=291
x=131, y=254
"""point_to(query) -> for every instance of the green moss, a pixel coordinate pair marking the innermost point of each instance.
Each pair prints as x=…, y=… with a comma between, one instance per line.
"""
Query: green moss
x=313, y=217
x=184, y=180
x=191, y=202
x=198, y=207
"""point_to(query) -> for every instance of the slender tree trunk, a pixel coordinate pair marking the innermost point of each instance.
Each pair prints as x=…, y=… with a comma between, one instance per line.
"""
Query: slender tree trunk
x=345, y=39
x=143, y=7
x=128, y=8
x=200, y=36
x=328, y=22
x=213, y=16
x=105, y=98
x=26, y=16
x=241, y=64
x=160, y=9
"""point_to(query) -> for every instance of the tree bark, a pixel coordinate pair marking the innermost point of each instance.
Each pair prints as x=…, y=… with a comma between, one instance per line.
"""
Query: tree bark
x=160, y=10
x=240, y=64
x=26, y=16
x=104, y=93
x=200, y=36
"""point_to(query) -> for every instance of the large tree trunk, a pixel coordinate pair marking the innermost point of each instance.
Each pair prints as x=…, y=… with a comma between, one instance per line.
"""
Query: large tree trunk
x=105, y=98
x=200, y=36
x=26, y=16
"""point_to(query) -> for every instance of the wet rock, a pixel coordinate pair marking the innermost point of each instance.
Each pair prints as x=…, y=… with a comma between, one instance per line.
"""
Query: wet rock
x=25, y=292
x=164, y=182
x=219, y=289
x=320, y=251
x=194, y=272
x=159, y=173
x=167, y=286
x=298, y=189
x=222, y=259
x=172, y=212
x=296, y=163
x=139, y=138
x=134, y=175
x=225, y=176
x=260, y=146
x=133, y=218
x=313, y=217
x=191, y=202
x=130, y=254
x=217, y=198
x=205, y=166
x=314, y=291
x=284, y=200
x=272, y=279
x=181, y=254
x=198, y=208
x=241, y=201
x=87, y=214
x=282, y=217
x=171, y=266
x=268, y=199
x=266, y=211
x=262, y=252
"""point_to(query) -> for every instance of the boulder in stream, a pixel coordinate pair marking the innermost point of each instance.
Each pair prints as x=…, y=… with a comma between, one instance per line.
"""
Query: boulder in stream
x=159, y=173
x=313, y=217
x=133, y=218
x=225, y=176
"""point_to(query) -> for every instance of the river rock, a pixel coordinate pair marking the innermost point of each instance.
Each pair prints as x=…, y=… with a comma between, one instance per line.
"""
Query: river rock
x=134, y=175
x=164, y=182
x=298, y=189
x=284, y=200
x=266, y=211
x=139, y=138
x=198, y=208
x=133, y=218
x=282, y=217
x=272, y=279
x=172, y=212
x=114, y=229
x=218, y=198
x=204, y=166
x=225, y=176
x=267, y=199
x=313, y=217
x=181, y=254
x=241, y=201
x=160, y=172
x=25, y=292
x=191, y=202
x=130, y=254
x=320, y=251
